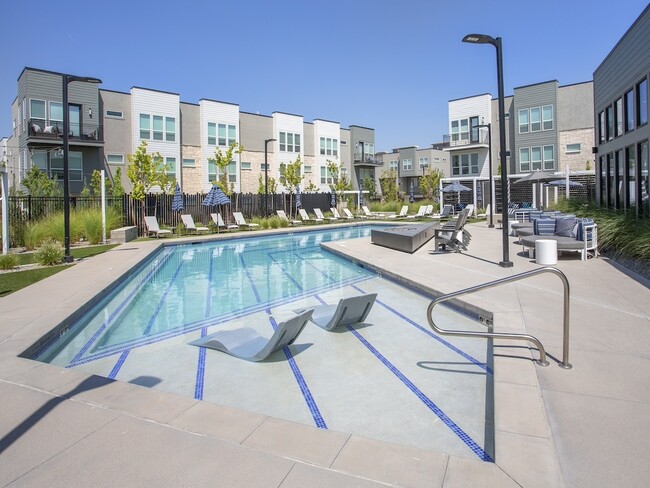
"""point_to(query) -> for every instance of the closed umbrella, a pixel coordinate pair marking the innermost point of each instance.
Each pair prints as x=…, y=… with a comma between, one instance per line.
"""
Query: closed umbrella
x=177, y=202
x=298, y=201
x=333, y=201
x=411, y=198
x=479, y=195
x=360, y=198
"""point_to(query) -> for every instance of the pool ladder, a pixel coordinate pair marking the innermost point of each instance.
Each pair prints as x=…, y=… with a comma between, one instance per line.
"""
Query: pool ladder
x=505, y=335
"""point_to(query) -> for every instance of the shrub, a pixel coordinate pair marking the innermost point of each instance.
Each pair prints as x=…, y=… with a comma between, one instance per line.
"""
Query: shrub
x=35, y=234
x=8, y=261
x=50, y=253
x=274, y=222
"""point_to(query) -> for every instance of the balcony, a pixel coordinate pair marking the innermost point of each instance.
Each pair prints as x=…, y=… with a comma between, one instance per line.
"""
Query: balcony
x=361, y=159
x=456, y=141
x=42, y=130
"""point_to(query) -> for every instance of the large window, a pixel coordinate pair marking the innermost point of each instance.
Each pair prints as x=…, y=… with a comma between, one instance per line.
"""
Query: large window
x=601, y=127
x=536, y=157
x=289, y=142
x=325, y=176
x=630, y=162
x=549, y=157
x=642, y=102
x=170, y=167
x=39, y=159
x=455, y=131
x=212, y=134
x=535, y=119
x=37, y=110
x=213, y=171
x=524, y=159
x=464, y=164
x=629, y=111
x=75, y=165
x=618, y=117
x=547, y=117
x=423, y=163
x=473, y=124
x=157, y=128
x=645, y=177
x=329, y=146
x=609, y=119
x=227, y=135
x=460, y=129
x=170, y=129
x=393, y=164
x=523, y=121
x=407, y=164
x=145, y=126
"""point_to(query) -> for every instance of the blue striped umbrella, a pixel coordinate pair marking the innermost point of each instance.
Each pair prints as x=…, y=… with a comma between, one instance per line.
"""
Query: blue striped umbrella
x=411, y=190
x=215, y=196
x=177, y=202
x=298, y=202
x=360, y=198
x=333, y=202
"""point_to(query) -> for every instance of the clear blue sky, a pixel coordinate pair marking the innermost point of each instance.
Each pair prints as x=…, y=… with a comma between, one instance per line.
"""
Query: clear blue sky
x=390, y=65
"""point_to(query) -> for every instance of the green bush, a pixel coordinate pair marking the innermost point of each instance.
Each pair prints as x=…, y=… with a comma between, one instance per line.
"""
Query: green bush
x=8, y=261
x=274, y=222
x=50, y=253
x=35, y=234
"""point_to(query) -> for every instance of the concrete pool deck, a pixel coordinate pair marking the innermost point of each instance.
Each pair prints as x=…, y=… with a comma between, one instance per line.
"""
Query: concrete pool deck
x=581, y=427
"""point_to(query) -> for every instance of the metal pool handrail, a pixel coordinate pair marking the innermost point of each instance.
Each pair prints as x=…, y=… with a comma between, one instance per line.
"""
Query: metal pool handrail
x=504, y=335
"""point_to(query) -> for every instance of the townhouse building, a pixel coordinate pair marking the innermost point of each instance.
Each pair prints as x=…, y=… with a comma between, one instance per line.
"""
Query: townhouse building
x=411, y=162
x=621, y=118
x=106, y=126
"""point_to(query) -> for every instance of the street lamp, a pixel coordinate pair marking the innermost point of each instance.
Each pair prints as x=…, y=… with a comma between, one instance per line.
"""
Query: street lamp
x=485, y=39
x=489, y=128
x=266, y=176
x=67, y=258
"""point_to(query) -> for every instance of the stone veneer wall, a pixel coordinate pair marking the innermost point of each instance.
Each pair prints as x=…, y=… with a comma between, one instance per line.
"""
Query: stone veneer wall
x=192, y=177
x=577, y=161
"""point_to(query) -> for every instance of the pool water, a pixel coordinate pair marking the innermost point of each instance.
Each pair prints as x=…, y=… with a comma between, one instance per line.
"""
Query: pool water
x=390, y=378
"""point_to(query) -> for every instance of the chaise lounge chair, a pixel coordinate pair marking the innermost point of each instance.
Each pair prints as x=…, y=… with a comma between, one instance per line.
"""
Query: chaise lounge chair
x=283, y=216
x=241, y=222
x=246, y=343
x=351, y=310
x=348, y=214
x=420, y=214
x=306, y=218
x=447, y=210
x=151, y=222
x=402, y=214
x=319, y=215
x=188, y=221
x=218, y=221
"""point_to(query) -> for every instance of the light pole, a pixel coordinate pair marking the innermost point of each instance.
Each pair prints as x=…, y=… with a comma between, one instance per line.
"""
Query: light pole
x=266, y=176
x=67, y=258
x=485, y=39
x=489, y=128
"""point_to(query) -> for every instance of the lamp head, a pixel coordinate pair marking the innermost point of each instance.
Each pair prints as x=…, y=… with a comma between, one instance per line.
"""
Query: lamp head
x=480, y=39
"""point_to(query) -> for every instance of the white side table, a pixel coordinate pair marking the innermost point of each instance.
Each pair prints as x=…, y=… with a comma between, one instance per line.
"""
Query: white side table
x=546, y=252
x=510, y=231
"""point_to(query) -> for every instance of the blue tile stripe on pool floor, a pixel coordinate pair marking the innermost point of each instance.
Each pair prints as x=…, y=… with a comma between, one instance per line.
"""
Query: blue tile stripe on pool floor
x=116, y=369
x=462, y=353
x=284, y=271
x=200, y=369
x=302, y=384
x=460, y=433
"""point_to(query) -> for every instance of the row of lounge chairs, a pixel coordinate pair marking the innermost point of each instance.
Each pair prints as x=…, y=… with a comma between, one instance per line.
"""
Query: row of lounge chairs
x=246, y=343
x=153, y=228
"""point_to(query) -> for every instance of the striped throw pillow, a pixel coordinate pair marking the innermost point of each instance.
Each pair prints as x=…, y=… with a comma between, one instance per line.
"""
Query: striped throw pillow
x=544, y=227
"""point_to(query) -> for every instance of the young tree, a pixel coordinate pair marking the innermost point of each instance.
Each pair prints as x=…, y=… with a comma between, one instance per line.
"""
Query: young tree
x=340, y=181
x=38, y=184
x=272, y=184
x=222, y=160
x=430, y=181
x=145, y=171
x=290, y=177
x=368, y=184
x=388, y=184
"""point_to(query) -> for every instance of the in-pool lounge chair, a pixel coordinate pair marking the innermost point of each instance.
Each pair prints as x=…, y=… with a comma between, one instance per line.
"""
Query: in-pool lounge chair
x=218, y=221
x=188, y=221
x=153, y=228
x=241, y=221
x=246, y=343
x=283, y=216
x=351, y=310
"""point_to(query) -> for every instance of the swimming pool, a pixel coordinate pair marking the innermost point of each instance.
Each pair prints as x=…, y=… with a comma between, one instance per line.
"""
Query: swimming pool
x=390, y=379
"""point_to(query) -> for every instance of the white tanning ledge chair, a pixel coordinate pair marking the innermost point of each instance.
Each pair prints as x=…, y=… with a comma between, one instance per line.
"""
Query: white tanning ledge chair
x=351, y=310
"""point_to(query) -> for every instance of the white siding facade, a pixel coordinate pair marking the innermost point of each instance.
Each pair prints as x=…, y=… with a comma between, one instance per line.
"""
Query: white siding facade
x=286, y=123
x=217, y=113
x=328, y=130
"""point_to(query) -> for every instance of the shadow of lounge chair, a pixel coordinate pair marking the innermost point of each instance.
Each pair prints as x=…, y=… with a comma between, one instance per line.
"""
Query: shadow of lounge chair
x=151, y=222
x=246, y=343
x=351, y=310
x=452, y=236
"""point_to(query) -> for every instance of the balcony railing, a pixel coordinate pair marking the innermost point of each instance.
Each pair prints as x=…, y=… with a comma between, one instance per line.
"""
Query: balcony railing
x=53, y=129
x=456, y=140
x=365, y=159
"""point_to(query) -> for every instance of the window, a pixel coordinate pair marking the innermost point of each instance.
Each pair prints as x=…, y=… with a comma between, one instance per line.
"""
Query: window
x=547, y=117
x=39, y=159
x=601, y=127
x=407, y=164
x=212, y=170
x=642, y=147
x=212, y=134
x=642, y=102
x=289, y=142
x=21, y=116
x=535, y=119
x=523, y=121
x=170, y=129
x=524, y=159
x=603, y=181
x=572, y=148
x=618, y=117
x=464, y=164
x=170, y=167
x=245, y=166
x=56, y=114
x=464, y=130
x=114, y=114
x=549, y=157
x=325, y=176
x=329, y=147
x=473, y=163
x=473, y=123
x=630, y=162
x=423, y=162
x=223, y=135
x=306, y=168
x=264, y=167
x=188, y=163
x=609, y=118
x=629, y=111
x=536, y=157
x=393, y=164
x=37, y=110
x=157, y=128
x=75, y=165
x=455, y=131
x=115, y=159
x=145, y=126
x=232, y=172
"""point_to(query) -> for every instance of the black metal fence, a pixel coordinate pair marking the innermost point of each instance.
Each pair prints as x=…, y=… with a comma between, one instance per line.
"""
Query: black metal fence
x=23, y=209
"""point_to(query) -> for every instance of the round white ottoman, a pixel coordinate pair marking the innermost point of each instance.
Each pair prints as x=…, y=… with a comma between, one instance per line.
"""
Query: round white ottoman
x=546, y=252
x=510, y=231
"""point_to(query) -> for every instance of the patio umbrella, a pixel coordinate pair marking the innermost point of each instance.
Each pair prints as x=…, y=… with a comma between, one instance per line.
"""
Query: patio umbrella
x=456, y=187
x=536, y=176
x=411, y=199
x=177, y=202
x=563, y=183
x=216, y=196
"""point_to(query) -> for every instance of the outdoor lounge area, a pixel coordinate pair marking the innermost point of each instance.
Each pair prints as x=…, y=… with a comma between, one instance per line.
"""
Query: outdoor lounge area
x=542, y=435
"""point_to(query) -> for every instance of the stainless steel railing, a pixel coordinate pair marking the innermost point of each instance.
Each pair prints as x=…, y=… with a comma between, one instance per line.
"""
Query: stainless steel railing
x=504, y=335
